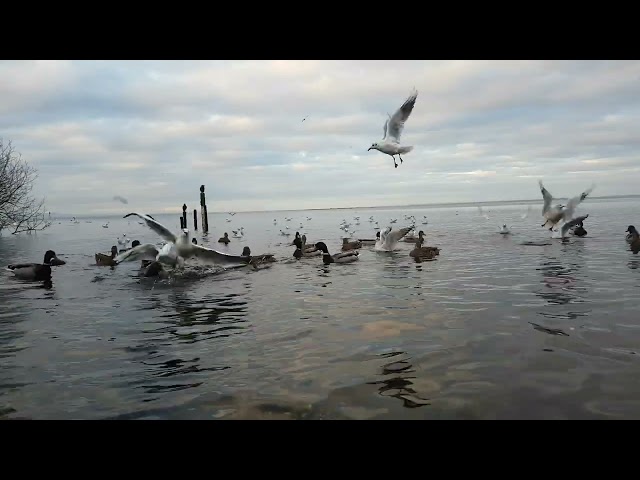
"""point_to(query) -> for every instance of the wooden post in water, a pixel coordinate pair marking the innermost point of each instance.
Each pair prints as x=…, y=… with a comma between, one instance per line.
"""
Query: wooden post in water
x=181, y=223
x=195, y=219
x=184, y=215
x=203, y=211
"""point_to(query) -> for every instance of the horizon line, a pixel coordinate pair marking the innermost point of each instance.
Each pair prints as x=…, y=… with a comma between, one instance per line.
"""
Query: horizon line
x=428, y=205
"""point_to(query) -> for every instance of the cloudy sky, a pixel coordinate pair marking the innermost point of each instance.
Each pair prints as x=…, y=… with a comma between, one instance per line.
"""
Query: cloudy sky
x=154, y=131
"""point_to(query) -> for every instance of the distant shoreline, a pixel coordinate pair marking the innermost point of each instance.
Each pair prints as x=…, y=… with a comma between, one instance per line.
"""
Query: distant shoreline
x=425, y=205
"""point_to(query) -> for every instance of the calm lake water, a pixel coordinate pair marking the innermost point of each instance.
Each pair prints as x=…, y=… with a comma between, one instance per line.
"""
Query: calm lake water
x=462, y=337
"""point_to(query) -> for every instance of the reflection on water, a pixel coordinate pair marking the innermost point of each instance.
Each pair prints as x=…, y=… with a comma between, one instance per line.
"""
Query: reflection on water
x=397, y=382
x=495, y=328
x=562, y=289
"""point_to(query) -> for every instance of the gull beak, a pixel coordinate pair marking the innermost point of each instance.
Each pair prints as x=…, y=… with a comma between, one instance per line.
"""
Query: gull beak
x=369, y=148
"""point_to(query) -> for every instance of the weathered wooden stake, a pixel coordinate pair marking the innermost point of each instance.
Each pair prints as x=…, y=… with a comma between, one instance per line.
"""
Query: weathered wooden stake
x=195, y=219
x=203, y=211
x=184, y=214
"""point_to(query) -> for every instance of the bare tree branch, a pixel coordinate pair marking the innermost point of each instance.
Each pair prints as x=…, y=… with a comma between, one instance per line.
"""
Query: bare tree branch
x=19, y=211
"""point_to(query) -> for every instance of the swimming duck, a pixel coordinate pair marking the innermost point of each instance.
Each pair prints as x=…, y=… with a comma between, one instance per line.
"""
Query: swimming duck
x=635, y=239
x=504, y=230
x=154, y=268
x=369, y=241
x=424, y=253
x=309, y=250
x=106, y=260
x=257, y=260
x=629, y=237
x=37, y=271
x=579, y=230
x=304, y=250
x=342, y=257
x=347, y=245
x=224, y=239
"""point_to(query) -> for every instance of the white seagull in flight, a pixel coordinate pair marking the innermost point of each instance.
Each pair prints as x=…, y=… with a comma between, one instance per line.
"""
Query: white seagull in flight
x=393, y=127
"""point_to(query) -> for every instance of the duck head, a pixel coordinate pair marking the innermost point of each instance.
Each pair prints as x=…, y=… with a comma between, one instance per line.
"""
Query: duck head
x=114, y=251
x=631, y=229
x=135, y=243
x=420, y=234
x=246, y=251
x=322, y=247
x=50, y=258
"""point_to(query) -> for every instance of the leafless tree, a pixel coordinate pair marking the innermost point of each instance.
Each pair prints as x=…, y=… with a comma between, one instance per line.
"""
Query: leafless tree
x=19, y=210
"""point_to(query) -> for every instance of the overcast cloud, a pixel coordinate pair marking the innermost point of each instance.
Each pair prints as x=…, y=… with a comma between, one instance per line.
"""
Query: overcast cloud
x=154, y=131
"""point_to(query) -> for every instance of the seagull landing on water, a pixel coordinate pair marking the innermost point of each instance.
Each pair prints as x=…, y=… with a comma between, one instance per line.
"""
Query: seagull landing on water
x=393, y=127
x=554, y=214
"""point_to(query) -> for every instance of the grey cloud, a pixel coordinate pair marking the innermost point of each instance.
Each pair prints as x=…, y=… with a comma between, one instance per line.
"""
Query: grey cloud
x=157, y=130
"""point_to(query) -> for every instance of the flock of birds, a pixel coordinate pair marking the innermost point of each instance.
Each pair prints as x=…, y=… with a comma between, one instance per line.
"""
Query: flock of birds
x=178, y=248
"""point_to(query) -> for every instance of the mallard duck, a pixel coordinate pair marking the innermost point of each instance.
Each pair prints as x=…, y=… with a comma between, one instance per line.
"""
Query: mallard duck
x=579, y=231
x=347, y=245
x=153, y=268
x=342, y=257
x=36, y=271
x=629, y=237
x=257, y=260
x=634, y=244
x=106, y=260
x=369, y=241
x=224, y=239
x=424, y=253
x=309, y=250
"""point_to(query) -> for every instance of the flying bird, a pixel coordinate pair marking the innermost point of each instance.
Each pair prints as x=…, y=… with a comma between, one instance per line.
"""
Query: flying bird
x=121, y=199
x=393, y=128
x=556, y=213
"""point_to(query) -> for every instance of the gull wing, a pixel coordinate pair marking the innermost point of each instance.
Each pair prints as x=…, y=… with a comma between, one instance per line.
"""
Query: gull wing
x=210, y=255
x=547, y=197
x=574, y=202
x=394, y=236
x=568, y=225
x=397, y=121
x=157, y=227
x=147, y=251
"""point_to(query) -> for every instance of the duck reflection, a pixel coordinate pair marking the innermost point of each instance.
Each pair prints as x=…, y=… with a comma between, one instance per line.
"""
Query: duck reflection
x=186, y=320
x=558, y=280
x=561, y=287
x=398, y=382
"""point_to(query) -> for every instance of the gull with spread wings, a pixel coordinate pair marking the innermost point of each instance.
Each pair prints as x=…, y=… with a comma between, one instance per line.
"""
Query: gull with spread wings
x=389, y=239
x=557, y=213
x=393, y=127
x=177, y=249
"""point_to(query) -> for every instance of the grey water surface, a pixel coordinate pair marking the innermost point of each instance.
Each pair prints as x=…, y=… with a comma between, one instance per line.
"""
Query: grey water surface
x=492, y=329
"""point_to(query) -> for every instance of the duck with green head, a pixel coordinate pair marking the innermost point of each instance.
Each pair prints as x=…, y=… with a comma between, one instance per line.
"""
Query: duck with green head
x=36, y=271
